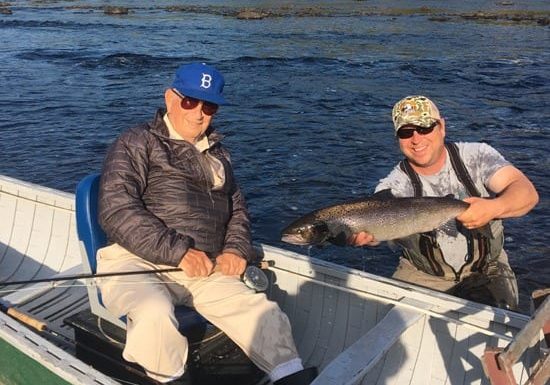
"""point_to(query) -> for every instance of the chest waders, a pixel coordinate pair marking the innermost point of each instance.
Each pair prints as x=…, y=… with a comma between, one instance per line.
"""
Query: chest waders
x=426, y=255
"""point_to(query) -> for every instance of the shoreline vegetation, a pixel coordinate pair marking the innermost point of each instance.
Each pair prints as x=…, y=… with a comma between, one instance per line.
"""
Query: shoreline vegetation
x=503, y=16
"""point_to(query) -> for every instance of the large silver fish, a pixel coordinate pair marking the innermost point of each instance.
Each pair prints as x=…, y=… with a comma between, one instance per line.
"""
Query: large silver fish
x=385, y=218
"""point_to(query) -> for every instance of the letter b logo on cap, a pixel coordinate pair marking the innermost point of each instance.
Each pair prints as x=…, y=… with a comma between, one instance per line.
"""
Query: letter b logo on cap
x=206, y=81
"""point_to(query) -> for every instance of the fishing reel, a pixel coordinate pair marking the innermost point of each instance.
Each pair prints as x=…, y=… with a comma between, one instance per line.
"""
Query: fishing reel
x=255, y=278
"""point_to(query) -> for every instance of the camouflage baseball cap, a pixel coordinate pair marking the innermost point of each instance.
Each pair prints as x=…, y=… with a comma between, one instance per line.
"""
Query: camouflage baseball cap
x=416, y=111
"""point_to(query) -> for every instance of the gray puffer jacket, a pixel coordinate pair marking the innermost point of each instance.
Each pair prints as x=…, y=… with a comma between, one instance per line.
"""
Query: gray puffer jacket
x=156, y=198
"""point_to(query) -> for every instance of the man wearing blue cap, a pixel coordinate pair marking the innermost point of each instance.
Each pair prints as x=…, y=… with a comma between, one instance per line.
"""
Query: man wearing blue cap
x=168, y=198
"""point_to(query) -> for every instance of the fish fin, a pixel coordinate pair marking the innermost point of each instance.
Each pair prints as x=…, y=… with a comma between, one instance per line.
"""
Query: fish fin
x=321, y=245
x=451, y=228
x=383, y=194
x=341, y=239
x=341, y=236
x=485, y=231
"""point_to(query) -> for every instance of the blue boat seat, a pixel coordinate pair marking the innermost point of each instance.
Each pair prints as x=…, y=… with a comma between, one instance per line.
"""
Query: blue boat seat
x=91, y=238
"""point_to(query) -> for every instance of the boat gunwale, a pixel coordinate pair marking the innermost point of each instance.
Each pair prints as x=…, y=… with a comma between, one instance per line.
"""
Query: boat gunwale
x=37, y=193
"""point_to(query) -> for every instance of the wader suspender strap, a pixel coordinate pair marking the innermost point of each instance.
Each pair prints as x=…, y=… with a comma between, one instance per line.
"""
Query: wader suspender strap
x=427, y=242
x=464, y=177
x=413, y=176
x=460, y=170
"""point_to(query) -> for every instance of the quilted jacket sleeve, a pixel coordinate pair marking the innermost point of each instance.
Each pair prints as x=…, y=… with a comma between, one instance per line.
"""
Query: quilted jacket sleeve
x=122, y=213
x=237, y=237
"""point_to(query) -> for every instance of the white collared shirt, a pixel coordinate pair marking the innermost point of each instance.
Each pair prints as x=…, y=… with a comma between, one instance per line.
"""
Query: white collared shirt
x=217, y=173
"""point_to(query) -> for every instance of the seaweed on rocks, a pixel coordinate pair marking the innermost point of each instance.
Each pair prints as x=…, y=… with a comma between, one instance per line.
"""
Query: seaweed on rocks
x=509, y=16
x=112, y=10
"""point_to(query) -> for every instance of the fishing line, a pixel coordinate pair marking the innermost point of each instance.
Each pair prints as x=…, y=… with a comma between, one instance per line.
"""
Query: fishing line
x=77, y=284
x=89, y=284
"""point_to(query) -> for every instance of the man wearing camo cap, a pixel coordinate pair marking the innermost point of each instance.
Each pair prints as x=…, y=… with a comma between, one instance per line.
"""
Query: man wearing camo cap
x=464, y=257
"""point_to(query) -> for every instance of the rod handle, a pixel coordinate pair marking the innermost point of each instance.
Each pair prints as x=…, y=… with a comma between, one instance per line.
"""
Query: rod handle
x=27, y=319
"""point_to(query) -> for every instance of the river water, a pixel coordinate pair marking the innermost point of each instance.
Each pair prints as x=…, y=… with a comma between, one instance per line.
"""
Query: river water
x=310, y=87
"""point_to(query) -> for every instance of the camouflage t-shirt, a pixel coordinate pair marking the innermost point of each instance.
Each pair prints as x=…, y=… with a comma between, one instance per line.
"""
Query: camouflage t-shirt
x=481, y=161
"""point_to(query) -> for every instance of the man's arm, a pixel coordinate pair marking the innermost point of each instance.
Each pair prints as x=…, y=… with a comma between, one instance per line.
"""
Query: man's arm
x=516, y=196
x=238, y=244
x=237, y=236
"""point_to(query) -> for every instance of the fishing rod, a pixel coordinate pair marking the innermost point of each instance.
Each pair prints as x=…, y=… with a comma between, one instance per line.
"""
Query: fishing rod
x=253, y=277
x=258, y=265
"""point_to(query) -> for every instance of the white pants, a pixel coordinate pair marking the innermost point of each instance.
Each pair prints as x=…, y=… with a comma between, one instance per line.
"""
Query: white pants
x=255, y=324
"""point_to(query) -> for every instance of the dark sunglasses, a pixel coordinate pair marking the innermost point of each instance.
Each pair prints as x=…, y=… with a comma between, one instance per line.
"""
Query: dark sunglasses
x=406, y=133
x=188, y=103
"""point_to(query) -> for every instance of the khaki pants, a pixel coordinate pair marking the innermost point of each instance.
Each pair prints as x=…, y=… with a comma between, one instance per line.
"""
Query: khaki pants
x=254, y=323
x=498, y=287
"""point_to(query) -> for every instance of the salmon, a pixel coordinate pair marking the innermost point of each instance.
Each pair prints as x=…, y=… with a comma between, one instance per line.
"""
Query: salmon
x=383, y=217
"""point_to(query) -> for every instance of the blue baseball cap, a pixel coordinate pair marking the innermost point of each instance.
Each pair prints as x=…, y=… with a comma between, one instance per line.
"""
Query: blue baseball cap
x=200, y=81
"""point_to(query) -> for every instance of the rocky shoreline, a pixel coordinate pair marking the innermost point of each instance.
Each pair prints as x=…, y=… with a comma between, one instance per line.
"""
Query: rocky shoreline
x=257, y=13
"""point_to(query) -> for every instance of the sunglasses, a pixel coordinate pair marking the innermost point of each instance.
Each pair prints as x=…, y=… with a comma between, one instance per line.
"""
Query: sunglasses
x=406, y=133
x=188, y=103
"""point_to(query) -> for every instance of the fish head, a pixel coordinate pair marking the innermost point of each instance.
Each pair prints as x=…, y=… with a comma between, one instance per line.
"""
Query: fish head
x=306, y=233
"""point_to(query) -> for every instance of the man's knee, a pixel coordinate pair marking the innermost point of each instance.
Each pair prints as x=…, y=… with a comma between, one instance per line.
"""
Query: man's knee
x=153, y=307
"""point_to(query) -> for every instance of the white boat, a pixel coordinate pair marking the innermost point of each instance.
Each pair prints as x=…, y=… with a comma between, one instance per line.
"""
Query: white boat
x=357, y=328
